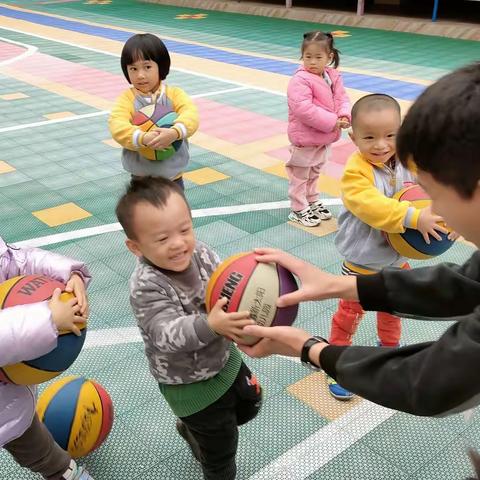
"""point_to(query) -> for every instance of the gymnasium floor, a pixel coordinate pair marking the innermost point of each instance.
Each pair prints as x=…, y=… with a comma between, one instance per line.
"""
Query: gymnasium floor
x=60, y=176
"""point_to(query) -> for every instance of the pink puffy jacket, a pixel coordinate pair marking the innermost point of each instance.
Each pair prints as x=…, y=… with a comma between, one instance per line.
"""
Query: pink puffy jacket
x=314, y=107
x=27, y=331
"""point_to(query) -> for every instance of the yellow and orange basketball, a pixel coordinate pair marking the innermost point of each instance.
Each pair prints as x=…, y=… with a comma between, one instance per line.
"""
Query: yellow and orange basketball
x=27, y=289
x=253, y=286
x=78, y=412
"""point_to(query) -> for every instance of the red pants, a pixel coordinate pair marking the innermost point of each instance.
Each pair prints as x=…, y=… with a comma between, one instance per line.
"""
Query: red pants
x=348, y=316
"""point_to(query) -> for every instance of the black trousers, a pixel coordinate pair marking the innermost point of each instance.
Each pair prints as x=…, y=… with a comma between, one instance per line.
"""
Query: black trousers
x=215, y=428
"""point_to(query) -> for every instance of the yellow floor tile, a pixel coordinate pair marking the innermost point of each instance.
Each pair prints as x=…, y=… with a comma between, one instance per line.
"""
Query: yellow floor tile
x=205, y=175
x=329, y=185
x=13, y=96
x=66, y=213
x=56, y=115
x=326, y=227
x=112, y=143
x=313, y=391
x=5, y=167
x=278, y=170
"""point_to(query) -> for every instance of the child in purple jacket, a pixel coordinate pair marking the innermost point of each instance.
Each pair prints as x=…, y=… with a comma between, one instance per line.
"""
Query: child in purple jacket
x=27, y=332
x=318, y=107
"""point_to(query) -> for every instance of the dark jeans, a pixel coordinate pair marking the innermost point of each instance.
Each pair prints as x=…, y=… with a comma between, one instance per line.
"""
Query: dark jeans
x=36, y=450
x=178, y=181
x=215, y=428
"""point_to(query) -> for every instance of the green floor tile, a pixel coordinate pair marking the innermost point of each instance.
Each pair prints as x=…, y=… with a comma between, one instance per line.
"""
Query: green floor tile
x=253, y=222
x=218, y=233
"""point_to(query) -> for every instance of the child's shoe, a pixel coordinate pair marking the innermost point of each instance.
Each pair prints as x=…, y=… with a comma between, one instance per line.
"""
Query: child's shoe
x=185, y=433
x=74, y=472
x=319, y=210
x=337, y=391
x=304, y=217
x=379, y=344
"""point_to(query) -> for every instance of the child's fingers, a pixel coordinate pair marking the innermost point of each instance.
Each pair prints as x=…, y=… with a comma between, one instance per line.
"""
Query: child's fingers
x=239, y=324
x=75, y=330
x=239, y=315
x=440, y=228
x=72, y=302
x=236, y=339
x=435, y=234
x=56, y=294
x=221, y=302
x=426, y=238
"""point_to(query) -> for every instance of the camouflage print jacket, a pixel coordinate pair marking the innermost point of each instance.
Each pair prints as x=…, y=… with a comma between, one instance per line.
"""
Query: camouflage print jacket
x=170, y=311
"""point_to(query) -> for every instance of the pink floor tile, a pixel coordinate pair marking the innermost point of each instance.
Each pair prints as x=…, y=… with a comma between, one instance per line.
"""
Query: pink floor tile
x=236, y=125
x=8, y=51
x=85, y=79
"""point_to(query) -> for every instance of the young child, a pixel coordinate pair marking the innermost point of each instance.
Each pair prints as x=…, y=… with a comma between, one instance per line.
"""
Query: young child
x=371, y=177
x=200, y=372
x=146, y=63
x=27, y=332
x=318, y=107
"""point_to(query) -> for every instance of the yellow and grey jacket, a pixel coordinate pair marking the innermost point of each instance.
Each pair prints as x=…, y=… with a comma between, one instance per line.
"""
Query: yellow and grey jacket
x=129, y=136
x=369, y=209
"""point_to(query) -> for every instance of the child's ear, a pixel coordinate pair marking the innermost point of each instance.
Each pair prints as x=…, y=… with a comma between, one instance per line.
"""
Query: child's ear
x=132, y=245
x=352, y=136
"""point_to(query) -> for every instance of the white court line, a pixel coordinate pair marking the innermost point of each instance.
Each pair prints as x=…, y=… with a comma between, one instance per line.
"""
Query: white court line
x=308, y=456
x=112, y=336
x=204, y=212
x=56, y=120
x=305, y=457
x=31, y=49
x=183, y=70
x=102, y=112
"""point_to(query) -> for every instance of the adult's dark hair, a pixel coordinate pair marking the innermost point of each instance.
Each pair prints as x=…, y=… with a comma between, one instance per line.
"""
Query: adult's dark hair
x=145, y=46
x=153, y=190
x=374, y=101
x=325, y=38
x=441, y=131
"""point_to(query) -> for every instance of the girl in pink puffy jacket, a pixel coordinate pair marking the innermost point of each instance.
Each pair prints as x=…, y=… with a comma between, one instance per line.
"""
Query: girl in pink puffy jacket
x=318, y=107
x=27, y=332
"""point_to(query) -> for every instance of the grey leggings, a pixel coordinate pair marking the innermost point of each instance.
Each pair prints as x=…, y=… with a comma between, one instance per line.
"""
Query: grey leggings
x=36, y=450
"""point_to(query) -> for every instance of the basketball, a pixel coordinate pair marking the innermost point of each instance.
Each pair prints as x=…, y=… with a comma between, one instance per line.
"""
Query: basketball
x=411, y=243
x=157, y=115
x=253, y=286
x=26, y=289
x=78, y=412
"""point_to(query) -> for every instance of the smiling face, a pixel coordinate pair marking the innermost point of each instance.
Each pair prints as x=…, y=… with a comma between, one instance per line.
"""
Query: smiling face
x=316, y=57
x=374, y=132
x=143, y=75
x=164, y=235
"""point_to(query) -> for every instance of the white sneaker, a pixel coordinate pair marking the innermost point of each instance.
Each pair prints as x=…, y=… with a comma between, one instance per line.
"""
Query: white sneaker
x=74, y=472
x=320, y=211
x=304, y=217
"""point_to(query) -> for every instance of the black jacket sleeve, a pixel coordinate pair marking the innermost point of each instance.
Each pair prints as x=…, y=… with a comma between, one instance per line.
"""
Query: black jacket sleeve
x=434, y=378
x=445, y=290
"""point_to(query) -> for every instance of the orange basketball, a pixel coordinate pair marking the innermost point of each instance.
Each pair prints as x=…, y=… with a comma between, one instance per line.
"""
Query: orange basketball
x=253, y=286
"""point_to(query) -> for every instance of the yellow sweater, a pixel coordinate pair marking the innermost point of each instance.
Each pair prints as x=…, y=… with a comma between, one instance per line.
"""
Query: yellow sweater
x=369, y=210
x=129, y=136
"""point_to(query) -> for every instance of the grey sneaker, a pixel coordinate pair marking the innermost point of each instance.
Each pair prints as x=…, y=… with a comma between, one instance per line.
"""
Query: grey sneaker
x=304, y=217
x=320, y=211
x=185, y=433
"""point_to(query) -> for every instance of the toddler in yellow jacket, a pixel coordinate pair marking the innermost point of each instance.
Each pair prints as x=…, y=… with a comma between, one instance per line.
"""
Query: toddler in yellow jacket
x=372, y=176
x=145, y=63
